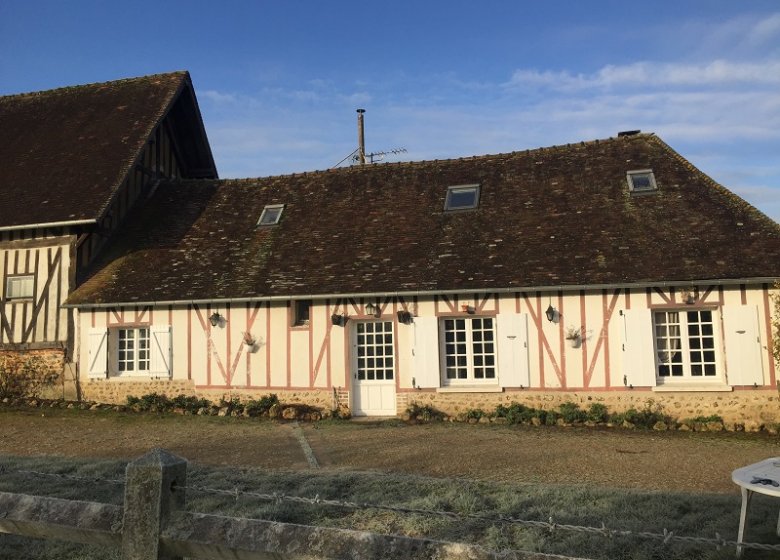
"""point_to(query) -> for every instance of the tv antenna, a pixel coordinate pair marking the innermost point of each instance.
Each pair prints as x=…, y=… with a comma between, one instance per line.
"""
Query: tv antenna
x=359, y=155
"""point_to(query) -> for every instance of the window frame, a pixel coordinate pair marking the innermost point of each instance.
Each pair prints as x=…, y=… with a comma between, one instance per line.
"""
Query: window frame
x=632, y=188
x=300, y=314
x=23, y=279
x=687, y=349
x=137, y=349
x=268, y=209
x=455, y=189
x=470, y=353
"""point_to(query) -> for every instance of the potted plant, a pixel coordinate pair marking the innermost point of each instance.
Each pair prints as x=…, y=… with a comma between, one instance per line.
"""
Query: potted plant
x=574, y=336
x=249, y=340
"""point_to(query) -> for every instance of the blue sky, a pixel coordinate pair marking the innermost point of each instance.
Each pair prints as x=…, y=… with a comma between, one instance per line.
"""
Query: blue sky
x=278, y=82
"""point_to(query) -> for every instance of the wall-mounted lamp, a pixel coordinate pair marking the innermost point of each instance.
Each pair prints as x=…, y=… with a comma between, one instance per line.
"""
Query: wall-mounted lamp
x=374, y=310
x=404, y=316
x=339, y=319
x=216, y=319
x=550, y=313
x=688, y=297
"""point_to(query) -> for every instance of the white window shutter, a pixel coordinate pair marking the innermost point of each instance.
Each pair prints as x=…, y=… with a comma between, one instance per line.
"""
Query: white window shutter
x=744, y=365
x=513, y=368
x=638, y=348
x=97, y=360
x=425, y=353
x=160, y=364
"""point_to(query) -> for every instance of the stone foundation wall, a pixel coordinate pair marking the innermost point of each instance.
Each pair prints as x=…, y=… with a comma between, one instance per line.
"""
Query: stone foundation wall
x=757, y=407
x=112, y=391
x=54, y=360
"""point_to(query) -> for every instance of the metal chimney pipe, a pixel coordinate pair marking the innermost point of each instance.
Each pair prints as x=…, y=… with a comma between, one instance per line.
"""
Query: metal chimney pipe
x=361, y=138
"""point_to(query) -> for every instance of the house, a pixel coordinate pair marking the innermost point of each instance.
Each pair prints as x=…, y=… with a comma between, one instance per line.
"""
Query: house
x=73, y=162
x=607, y=271
x=432, y=282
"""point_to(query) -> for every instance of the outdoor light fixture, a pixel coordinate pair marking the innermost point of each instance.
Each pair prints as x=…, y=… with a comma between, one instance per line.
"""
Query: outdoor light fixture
x=215, y=319
x=550, y=313
x=372, y=309
x=404, y=317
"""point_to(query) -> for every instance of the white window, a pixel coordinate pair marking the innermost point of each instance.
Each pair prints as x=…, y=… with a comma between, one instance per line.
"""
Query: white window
x=685, y=345
x=462, y=197
x=133, y=350
x=19, y=287
x=271, y=215
x=469, y=350
x=641, y=181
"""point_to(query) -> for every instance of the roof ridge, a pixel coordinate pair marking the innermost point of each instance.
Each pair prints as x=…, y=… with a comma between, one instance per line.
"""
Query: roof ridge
x=63, y=89
x=358, y=168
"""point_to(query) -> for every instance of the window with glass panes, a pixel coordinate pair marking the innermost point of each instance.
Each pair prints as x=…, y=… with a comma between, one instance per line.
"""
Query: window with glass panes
x=375, y=351
x=133, y=349
x=685, y=344
x=469, y=349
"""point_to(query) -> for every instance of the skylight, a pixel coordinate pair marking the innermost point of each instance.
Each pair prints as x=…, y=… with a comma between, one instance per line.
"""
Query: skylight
x=641, y=181
x=271, y=215
x=462, y=197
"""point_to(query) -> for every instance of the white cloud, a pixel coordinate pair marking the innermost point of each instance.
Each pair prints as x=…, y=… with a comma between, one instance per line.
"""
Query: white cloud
x=654, y=75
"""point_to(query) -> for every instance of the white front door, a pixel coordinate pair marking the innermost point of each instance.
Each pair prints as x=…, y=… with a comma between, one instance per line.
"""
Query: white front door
x=373, y=369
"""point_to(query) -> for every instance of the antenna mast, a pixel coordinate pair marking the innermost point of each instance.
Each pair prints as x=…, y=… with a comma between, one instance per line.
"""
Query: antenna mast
x=361, y=154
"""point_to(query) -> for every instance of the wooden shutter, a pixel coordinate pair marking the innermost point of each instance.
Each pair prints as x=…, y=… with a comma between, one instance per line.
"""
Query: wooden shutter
x=160, y=359
x=425, y=353
x=513, y=368
x=97, y=360
x=741, y=333
x=638, y=348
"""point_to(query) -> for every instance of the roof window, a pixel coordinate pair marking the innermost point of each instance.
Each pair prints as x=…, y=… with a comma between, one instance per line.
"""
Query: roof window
x=462, y=197
x=271, y=215
x=641, y=181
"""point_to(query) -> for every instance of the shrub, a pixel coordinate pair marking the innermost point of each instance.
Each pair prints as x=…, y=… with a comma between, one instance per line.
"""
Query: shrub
x=703, y=419
x=475, y=413
x=25, y=375
x=549, y=417
x=233, y=405
x=428, y=413
x=645, y=418
x=190, y=404
x=570, y=412
x=516, y=413
x=260, y=406
x=598, y=413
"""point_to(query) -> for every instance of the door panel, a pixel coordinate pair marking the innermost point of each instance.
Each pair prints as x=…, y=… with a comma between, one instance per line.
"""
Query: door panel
x=373, y=369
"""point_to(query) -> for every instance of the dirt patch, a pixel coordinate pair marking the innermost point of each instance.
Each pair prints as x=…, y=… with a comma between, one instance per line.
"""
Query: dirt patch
x=669, y=461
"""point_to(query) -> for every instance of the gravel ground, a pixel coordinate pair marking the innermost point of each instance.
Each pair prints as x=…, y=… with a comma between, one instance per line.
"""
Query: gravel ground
x=669, y=461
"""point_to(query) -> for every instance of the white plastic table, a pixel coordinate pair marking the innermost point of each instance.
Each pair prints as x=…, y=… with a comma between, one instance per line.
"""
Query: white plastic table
x=746, y=478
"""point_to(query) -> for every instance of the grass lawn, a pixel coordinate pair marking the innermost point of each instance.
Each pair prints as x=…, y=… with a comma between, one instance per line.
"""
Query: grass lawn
x=699, y=514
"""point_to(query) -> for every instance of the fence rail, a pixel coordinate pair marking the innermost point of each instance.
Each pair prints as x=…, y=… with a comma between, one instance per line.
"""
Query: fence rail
x=152, y=525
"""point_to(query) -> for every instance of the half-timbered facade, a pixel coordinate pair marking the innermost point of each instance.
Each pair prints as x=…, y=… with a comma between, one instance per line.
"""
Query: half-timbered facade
x=610, y=270
x=73, y=162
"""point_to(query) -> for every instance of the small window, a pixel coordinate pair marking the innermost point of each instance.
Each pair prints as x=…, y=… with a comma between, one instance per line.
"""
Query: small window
x=271, y=215
x=302, y=312
x=19, y=287
x=641, y=181
x=462, y=197
x=133, y=350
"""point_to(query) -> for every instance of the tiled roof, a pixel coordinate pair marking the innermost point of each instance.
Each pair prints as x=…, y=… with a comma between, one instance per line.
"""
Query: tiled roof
x=549, y=217
x=64, y=152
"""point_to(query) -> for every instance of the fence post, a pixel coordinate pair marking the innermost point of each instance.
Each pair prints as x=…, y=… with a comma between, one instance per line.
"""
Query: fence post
x=149, y=502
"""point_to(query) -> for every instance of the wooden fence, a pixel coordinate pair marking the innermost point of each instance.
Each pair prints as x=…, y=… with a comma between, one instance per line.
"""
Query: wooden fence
x=152, y=525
